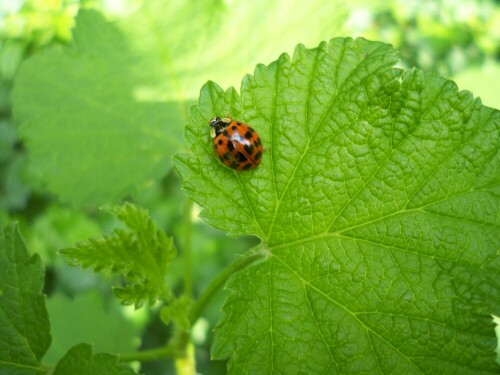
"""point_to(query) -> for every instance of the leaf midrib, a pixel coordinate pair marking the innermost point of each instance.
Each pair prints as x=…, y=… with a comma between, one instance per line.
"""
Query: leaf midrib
x=320, y=121
x=344, y=308
x=342, y=233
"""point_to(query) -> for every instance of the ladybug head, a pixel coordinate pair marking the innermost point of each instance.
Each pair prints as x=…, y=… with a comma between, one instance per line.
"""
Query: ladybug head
x=219, y=125
x=216, y=121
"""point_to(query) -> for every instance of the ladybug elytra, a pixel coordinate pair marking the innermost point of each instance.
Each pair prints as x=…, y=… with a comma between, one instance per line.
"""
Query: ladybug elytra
x=236, y=144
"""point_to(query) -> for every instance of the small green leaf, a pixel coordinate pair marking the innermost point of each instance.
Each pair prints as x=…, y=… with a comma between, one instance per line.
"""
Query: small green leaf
x=80, y=361
x=24, y=323
x=143, y=253
x=378, y=210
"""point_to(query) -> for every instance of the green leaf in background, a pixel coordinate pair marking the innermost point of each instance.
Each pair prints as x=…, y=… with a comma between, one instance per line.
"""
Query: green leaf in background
x=196, y=41
x=13, y=192
x=377, y=206
x=485, y=80
x=86, y=318
x=24, y=323
x=80, y=361
x=84, y=122
x=59, y=227
x=143, y=253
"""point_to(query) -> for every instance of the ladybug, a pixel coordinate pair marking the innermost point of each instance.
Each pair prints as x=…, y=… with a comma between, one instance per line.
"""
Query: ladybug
x=237, y=144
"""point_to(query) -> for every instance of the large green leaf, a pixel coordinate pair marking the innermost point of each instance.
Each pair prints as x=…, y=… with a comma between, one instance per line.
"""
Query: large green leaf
x=24, y=323
x=377, y=206
x=219, y=40
x=83, y=121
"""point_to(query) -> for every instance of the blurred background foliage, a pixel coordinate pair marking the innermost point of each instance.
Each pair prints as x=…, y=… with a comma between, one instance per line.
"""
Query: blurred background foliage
x=459, y=39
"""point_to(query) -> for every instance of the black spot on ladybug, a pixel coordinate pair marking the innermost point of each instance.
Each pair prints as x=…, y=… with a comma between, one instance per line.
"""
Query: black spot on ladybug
x=234, y=165
x=258, y=155
x=230, y=145
x=240, y=157
x=225, y=133
x=220, y=141
x=227, y=156
x=234, y=127
x=248, y=134
x=249, y=149
x=247, y=166
x=256, y=143
x=238, y=123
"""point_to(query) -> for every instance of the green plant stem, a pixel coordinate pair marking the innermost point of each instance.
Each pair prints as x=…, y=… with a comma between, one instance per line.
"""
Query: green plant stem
x=186, y=364
x=178, y=348
x=186, y=248
x=150, y=354
x=219, y=282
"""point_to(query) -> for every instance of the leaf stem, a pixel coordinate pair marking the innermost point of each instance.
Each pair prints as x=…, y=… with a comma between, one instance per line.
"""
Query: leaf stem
x=150, y=354
x=219, y=282
x=186, y=248
x=177, y=348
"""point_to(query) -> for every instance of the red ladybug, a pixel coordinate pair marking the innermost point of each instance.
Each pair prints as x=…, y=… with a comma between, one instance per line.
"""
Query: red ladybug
x=237, y=144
